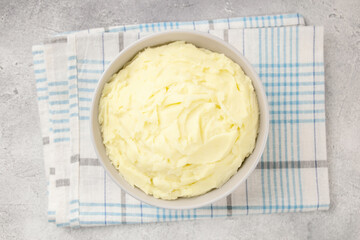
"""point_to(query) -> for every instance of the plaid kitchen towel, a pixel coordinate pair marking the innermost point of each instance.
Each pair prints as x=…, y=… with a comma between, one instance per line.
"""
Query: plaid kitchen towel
x=292, y=175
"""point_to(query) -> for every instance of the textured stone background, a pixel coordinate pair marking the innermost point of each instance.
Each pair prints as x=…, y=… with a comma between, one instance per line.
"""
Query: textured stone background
x=23, y=200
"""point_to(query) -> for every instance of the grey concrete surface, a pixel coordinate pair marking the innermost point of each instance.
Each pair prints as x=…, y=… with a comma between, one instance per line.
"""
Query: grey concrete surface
x=23, y=199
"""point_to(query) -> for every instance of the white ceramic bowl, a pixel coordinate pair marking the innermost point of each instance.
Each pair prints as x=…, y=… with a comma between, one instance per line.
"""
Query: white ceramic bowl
x=203, y=40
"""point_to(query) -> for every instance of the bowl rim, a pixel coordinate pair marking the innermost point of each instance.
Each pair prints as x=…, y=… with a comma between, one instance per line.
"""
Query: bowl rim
x=259, y=144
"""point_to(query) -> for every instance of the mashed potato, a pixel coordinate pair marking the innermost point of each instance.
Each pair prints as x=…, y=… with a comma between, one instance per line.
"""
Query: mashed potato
x=178, y=121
